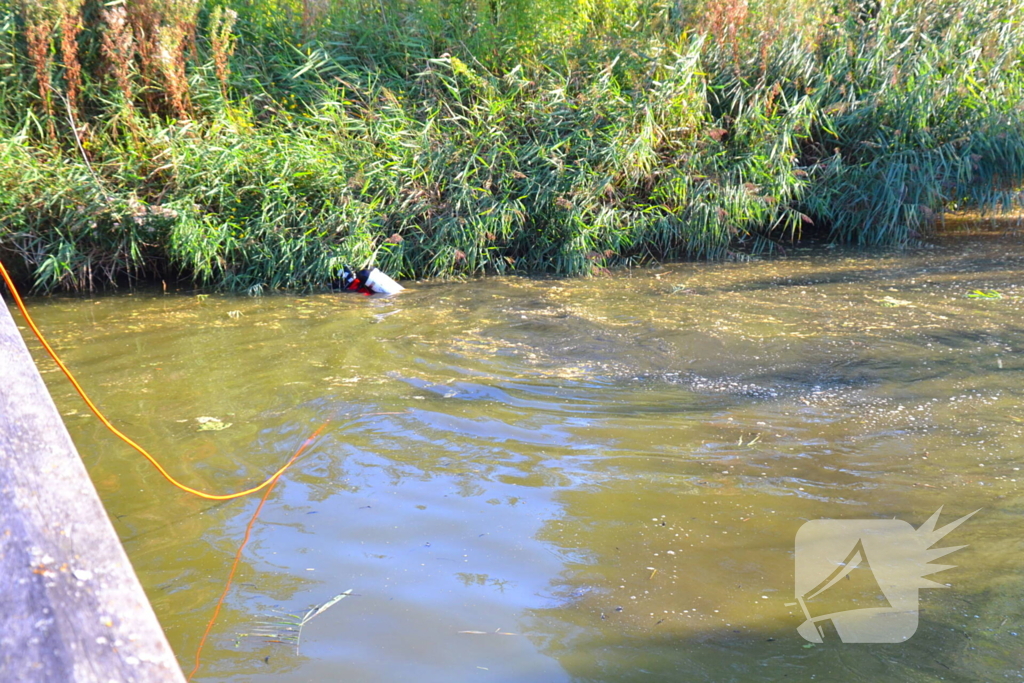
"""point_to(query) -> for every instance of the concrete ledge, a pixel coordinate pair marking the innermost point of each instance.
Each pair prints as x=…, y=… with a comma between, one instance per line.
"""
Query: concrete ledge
x=71, y=607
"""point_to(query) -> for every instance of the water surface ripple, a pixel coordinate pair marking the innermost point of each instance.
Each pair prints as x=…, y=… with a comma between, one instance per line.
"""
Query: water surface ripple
x=567, y=480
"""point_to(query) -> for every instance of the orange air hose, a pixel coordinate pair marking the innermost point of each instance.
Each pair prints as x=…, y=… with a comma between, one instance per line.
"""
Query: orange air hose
x=117, y=432
x=241, y=548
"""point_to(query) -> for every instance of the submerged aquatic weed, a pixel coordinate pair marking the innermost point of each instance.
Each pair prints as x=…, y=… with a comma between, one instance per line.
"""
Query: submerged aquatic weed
x=288, y=628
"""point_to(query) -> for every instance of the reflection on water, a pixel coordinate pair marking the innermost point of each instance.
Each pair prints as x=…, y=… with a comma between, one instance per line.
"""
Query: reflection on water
x=543, y=480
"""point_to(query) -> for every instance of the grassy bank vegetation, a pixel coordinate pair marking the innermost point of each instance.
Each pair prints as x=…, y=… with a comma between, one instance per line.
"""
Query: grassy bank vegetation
x=260, y=144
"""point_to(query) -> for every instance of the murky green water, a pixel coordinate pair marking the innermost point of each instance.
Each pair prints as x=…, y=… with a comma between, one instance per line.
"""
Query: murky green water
x=577, y=480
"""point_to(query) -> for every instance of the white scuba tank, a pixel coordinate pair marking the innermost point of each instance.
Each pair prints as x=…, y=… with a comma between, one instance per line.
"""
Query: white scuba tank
x=381, y=283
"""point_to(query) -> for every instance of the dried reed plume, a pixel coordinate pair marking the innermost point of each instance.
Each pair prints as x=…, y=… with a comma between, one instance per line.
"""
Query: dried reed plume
x=170, y=58
x=144, y=18
x=38, y=29
x=119, y=50
x=164, y=32
x=223, y=43
x=174, y=39
x=313, y=11
x=71, y=26
x=724, y=20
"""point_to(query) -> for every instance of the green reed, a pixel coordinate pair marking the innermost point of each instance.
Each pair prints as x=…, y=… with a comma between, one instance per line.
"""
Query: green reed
x=263, y=147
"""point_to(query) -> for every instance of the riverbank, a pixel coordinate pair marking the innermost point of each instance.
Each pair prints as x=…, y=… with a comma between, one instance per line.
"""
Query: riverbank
x=263, y=144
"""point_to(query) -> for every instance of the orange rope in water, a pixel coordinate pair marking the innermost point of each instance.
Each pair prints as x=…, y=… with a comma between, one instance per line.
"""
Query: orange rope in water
x=245, y=541
x=117, y=432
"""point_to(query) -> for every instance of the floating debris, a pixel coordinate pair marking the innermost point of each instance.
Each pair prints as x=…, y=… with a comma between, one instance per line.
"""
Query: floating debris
x=891, y=302
x=211, y=424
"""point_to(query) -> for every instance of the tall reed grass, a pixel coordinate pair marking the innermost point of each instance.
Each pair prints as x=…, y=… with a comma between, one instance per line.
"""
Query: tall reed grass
x=260, y=144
